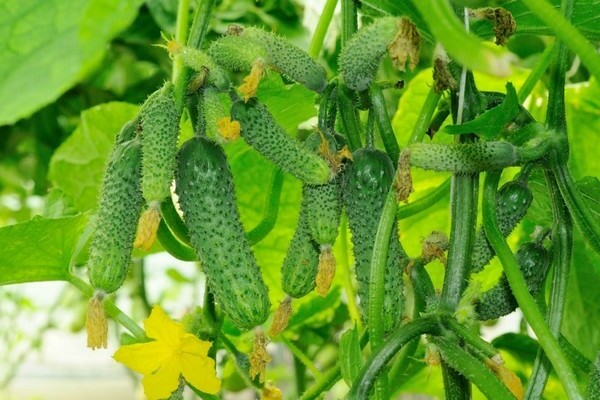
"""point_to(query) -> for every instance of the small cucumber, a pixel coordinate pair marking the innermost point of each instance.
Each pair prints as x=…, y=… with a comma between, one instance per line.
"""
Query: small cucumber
x=592, y=390
x=366, y=184
x=237, y=53
x=512, y=202
x=260, y=130
x=463, y=158
x=160, y=132
x=534, y=261
x=199, y=61
x=207, y=199
x=121, y=202
x=301, y=261
x=360, y=58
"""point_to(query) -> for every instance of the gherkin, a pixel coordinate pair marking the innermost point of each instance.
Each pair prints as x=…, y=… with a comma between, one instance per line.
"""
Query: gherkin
x=121, y=202
x=206, y=195
x=366, y=184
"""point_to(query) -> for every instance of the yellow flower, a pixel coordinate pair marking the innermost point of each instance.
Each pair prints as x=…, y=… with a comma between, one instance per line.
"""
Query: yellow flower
x=173, y=353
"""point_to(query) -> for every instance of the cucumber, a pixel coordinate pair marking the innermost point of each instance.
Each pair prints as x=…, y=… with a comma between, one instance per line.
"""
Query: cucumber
x=160, y=133
x=206, y=195
x=237, y=53
x=121, y=202
x=360, y=58
x=534, y=261
x=463, y=158
x=301, y=261
x=512, y=202
x=260, y=130
x=592, y=390
x=365, y=186
x=201, y=62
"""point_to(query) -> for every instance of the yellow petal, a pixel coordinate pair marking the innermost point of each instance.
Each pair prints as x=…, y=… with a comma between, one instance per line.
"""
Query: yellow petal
x=160, y=327
x=144, y=358
x=200, y=372
x=164, y=381
x=192, y=345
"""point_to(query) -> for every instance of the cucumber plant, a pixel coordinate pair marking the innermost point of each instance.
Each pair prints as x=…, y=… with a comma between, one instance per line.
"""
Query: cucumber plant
x=407, y=251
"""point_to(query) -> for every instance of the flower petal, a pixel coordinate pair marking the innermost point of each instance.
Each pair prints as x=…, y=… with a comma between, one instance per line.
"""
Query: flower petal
x=191, y=344
x=200, y=372
x=164, y=381
x=160, y=327
x=144, y=358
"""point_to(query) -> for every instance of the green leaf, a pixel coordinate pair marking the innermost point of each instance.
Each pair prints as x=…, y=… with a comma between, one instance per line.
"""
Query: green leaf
x=164, y=13
x=49, y=45
x=520, y=346
x=39, y=250
x=350, y=355
x=316, y=311
x=491, y=123
x=590, y=190
x=77, y=166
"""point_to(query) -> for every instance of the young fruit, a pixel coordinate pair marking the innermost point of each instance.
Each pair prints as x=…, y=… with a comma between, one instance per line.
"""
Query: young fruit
x=512, y=202
x=260, y=130
x=207, y=199
x=366, y=184
x=534, y=261
x=463, y=158
x=118, y=213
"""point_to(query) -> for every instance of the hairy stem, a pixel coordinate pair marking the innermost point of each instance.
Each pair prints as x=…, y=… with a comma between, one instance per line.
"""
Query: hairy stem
x=316, y=43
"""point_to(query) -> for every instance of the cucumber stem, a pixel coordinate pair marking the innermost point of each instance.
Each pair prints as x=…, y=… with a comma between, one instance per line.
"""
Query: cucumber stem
x=172, y=245
x=303, y=358
x=316, y=43
x=423, y=203
x=344, y=264
x=181, y=31
x=271, y=209
x=536, y=73
x=349, y=20
x=425, y=115
x=388, y=137
x=519, y=289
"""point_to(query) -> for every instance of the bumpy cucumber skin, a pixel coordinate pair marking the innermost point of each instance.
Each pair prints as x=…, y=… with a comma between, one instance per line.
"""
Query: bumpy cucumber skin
x=366, y=184
x=512, y=202
x=288, y=59
x=301, y=262
x=236, y=53
x=463, y=158
x=207, y=199
x=121, y=203
x=361, y=56
x=160, y=133
x=199, y=60
x=324, y=210
x=534, y=261
x=592, y=390
x=260, y=130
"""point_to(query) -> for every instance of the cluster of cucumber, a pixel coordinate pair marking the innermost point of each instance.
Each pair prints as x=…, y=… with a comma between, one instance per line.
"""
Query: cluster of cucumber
x=146, y=161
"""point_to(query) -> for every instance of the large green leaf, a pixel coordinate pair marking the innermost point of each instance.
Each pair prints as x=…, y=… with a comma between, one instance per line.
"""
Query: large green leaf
x=77, y=166
x=39, y=250
x=49, y=45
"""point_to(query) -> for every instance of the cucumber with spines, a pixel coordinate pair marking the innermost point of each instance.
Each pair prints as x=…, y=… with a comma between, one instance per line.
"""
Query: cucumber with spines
x=301, y=261
x=512, y=202
x=200, y=61
x=160, y=133
x=236, y=52
x=366, y=184
x=360, y=58
x=466, y=158
x=207, y=199
x=260, y=130
x=120, y=206
x=534, y=261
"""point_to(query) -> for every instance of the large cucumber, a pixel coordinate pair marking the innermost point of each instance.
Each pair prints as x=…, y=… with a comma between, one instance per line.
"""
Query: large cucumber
x=206, y=195
x=366, y=184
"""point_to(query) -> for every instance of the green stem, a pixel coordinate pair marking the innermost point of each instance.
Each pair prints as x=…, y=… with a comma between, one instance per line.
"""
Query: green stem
x=111, y=309
x=316, y=44
x=349, y=20
x=242, y=363
x=424, y=118
x=566, y=32
x=200, y=23
x=303, y=358
x=424, y=202
x=562, y=230
x=388, y=137
x=349, y=118
x=344, y=263
x=181, y=31
x=324, y=384
x=482, y=348
x=377, y=280
x=172, y=245
x=300, y=376
x=173, y=221
x=536, y=73
x=271, y=209
x=519, y=289
x=467, y=365
x=376, y=364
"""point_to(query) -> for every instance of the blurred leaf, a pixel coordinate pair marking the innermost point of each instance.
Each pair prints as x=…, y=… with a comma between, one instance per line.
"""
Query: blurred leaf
x=59, y=204
x=177, y=276
x=590, y=190
x=520, y=346
x=317, y=310
x=164, y=13
x=489, y=124
x=350, y=355
x=49, y=45
x=39, y=250
x=77, y=166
